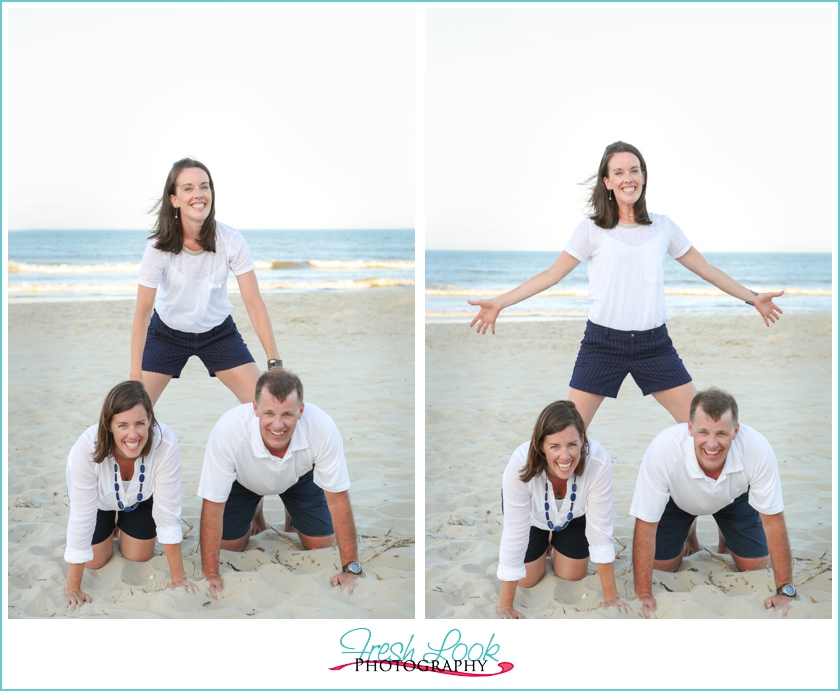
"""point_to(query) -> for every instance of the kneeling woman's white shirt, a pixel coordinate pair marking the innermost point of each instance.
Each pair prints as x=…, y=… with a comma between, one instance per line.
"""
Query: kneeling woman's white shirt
x=524, y=504
x=91, y=487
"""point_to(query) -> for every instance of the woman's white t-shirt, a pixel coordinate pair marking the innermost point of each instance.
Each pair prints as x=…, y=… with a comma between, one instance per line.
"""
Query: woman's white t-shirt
x=192, y=286
x=626, y=266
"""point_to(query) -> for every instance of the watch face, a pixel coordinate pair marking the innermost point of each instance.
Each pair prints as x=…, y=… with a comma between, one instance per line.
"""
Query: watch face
x=354, y=567
x=788, y=590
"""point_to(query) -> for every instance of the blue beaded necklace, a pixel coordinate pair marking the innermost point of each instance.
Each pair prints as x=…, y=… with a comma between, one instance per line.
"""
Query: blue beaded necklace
x=117, y=486
x=569, y=516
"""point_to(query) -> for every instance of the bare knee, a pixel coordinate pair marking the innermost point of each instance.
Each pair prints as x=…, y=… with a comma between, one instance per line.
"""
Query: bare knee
x=97, y=562
x=310, y=542
x=139, y=557
x=237, y=545
x=529, y=581
x=749, y=564
x=669, y=565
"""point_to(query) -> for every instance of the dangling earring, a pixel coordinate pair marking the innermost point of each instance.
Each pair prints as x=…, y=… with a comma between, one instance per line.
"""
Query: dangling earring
x=176, y=213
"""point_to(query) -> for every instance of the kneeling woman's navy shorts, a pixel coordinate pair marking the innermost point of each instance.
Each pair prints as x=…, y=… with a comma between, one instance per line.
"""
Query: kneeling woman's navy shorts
x=607, y=356
x=168, y=350
x=138, y=524
x=571, y=542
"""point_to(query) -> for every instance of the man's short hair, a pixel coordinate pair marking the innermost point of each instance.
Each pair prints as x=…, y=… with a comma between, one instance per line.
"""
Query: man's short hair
x=715, y=402
x=280, y=383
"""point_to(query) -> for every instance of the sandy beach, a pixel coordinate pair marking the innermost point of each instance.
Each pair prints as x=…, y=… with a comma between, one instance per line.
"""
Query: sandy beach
x=483, y=394
x=354, y=352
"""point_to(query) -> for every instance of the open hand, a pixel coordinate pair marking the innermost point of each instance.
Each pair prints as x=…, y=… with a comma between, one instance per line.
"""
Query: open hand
x=487, y=315
x=74, y=598
x=616, y=602
x=508, y=613
x=181, y=582
x=767, y=308
x=345, y=580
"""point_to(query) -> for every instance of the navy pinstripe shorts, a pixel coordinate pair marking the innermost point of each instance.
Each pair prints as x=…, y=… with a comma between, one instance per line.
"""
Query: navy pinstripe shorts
x=168, y=350
x=607, y=356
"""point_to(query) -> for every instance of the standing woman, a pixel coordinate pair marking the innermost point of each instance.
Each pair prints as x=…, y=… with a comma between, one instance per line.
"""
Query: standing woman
x=123, y=477
x=625, y=249
x=557, y=492
x=188, y=257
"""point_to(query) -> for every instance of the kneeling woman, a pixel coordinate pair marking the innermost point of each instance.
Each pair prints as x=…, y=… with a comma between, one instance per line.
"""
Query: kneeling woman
x=557, y=492
x=123, y=477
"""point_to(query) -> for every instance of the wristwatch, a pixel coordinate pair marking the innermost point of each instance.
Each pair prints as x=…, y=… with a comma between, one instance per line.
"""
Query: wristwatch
x=273, y=363
x=356, y=568
x=786, y=589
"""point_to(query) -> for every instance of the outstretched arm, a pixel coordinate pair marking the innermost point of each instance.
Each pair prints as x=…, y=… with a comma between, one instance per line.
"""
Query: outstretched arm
x=779, y=547
x=644, y=549
x=763, y=302
x=142, y=314
x=345, y=535
x=249, y=288
x=489, y=309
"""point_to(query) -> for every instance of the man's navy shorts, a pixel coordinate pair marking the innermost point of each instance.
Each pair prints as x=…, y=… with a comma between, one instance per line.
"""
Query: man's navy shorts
x=304, y=500
x=739, y=523
x=571, y=542
x=168, y=350
x=138, y=523
x=607, y=356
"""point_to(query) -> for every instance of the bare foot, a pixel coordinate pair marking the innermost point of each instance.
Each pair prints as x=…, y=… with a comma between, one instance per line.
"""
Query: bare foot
x=258, y=523
x=722, y=548
x=692, y=544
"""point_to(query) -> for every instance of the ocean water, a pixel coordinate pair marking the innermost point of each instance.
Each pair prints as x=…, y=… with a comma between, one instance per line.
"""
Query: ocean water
x=453, y=277
x=96, y=264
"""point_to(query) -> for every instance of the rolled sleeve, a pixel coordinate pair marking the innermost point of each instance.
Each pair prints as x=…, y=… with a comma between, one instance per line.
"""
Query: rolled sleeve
x=83, y=490
x=166, y=509
x=599, y=513
x=516, y=525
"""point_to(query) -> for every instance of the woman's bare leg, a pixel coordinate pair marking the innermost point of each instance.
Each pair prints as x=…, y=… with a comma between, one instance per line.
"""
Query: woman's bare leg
x=677, y=401
x=586, y=403
x=155, y=383
x=242, y=380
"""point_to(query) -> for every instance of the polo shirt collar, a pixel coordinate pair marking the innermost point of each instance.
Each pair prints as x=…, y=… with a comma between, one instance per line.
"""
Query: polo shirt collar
x=298, y=442
x=734, y=461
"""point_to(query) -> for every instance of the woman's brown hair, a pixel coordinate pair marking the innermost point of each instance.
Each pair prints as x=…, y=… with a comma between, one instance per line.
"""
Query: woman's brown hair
x=605, y=209
x=168, y=230
x=124, y=396
x=554, y=418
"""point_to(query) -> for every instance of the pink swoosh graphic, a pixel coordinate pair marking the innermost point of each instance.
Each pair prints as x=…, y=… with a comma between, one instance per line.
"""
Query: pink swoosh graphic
x=504, y=667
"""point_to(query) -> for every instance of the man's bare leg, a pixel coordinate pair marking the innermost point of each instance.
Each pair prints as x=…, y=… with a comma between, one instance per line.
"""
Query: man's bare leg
x=308, y=541
x=258, y=524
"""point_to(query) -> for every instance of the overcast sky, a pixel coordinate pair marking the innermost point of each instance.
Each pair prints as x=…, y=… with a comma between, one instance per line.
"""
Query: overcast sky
x=734, y=108
x=304, y=114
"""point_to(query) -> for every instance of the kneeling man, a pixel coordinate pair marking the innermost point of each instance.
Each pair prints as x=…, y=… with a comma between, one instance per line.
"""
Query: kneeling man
x=276, y=445
x=710, y=466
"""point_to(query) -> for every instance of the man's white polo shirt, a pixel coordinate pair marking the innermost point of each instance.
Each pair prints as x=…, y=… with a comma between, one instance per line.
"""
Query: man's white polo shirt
x=670, y=468
x=236, y=451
